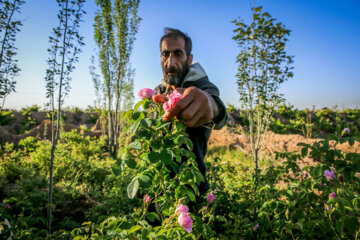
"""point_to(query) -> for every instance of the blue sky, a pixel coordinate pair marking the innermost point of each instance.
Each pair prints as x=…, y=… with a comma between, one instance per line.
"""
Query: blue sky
x=325, y=38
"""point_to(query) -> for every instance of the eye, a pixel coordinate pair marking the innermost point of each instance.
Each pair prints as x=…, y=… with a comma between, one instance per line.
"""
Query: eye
x=165, y=54
x=178, y=53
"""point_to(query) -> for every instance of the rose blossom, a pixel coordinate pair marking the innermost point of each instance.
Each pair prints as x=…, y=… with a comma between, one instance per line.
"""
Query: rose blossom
x=224, y=162
x=329, y=174
x=185, y=222
x=210, y=198
x=341, y=178
x=332, y=195
x=146, y=93
x=181, y=209
x=147, y=198
x=173, y=98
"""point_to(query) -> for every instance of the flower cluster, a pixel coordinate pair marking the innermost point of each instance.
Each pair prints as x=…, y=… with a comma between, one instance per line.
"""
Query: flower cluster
x=184, y=218
x=146, y=93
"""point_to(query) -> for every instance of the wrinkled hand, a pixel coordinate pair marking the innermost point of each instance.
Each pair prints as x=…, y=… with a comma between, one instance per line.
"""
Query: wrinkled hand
x=194, y=108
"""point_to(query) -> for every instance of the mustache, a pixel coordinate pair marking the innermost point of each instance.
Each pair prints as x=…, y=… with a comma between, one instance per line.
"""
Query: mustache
x=172, y=70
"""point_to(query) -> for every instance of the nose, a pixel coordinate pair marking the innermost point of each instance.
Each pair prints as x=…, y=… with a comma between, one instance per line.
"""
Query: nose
x=171, y=61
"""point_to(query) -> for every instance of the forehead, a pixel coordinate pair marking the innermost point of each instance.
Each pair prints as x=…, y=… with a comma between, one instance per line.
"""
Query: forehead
x=171, y=44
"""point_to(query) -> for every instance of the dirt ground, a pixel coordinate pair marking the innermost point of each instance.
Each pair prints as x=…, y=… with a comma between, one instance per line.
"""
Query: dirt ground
x=230, y=136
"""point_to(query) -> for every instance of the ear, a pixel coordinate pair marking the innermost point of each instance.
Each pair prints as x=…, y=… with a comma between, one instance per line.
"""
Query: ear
x=190, y=59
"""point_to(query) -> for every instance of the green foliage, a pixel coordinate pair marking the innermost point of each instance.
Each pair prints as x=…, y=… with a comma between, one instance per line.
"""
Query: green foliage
x=91, y=194
x=262, y=66
x=6, y=117
x=116, y=24
x=9, y=27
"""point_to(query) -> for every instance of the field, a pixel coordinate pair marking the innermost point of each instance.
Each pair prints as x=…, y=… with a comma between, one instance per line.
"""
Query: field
x=306, y=190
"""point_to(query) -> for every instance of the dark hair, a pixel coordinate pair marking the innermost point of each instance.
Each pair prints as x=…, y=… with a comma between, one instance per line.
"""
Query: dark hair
x=174, y=33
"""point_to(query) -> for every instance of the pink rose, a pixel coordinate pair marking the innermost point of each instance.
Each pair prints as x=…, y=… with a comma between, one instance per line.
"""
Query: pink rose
x=146, y=93
x=147, y=198
x=173, y=98
x=82, y=132
x=332, y=195
x=341, y=178
x=181, y=209
x=224, y=162
x=329, y=174
x=185, y=222
x=210, y=198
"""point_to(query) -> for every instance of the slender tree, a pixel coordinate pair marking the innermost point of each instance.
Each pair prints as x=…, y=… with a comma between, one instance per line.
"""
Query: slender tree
x=116, y=24
x=65, y=45
x=9, y=27
x=262, y=66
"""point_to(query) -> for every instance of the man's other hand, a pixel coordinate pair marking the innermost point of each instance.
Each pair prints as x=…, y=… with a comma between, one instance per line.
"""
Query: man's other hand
x=194, y=108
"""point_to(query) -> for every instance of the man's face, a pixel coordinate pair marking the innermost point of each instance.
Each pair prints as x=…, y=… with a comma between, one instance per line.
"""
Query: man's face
x=174, y=62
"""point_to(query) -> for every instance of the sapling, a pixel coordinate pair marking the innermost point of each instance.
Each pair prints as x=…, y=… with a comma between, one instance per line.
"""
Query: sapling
x=263, y=66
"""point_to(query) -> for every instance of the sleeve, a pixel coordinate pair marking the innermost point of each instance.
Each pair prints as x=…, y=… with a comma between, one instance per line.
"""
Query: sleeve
x=205, y=85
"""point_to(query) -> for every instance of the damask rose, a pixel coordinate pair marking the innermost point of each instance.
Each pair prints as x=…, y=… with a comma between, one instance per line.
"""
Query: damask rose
x=185, y=222
x=173, y=98
x=329, y=174
x=181, y=209
x=332, y=195
x=147, y=198
x=210, y=198
x=146, y=93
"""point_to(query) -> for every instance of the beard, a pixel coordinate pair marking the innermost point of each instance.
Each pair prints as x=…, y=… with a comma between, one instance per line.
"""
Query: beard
x=176, y=79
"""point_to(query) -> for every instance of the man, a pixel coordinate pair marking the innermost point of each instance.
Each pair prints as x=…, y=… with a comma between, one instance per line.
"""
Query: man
x=200, y=106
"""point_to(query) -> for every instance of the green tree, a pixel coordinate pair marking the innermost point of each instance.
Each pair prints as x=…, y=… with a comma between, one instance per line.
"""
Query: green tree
x=263, y=65
x=8, y=29
x=116, y=24
x=65, y=45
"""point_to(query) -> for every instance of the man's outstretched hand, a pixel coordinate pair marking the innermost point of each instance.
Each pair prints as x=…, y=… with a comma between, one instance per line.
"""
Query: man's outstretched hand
x=194, y=108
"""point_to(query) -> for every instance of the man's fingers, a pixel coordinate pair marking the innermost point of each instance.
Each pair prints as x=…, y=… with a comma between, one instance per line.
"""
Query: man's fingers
x=179, y=106
x=160, y=98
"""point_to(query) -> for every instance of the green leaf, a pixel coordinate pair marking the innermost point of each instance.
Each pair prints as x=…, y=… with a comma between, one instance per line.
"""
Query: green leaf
x=131, y=163
x=133, y=188
x=304, y=152
x=351, y=223
x=165, y=157
x=340, y=225
x=145, y=180
x=188, y=143
x=134, y=127
x=154, y=157
x=136, y=115
x=144, y=234
x=135, y=228
x=135, y=145
x=199, y=177
x=138, y=105
x=191, y=195
x=145, y=123
x=116, y=169
x=152, y=216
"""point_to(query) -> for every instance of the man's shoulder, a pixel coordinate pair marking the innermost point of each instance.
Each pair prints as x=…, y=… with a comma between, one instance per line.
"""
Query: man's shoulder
x=203, y=84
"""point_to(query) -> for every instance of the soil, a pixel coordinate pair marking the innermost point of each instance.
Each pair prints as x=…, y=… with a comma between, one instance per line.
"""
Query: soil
x=230, y=136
